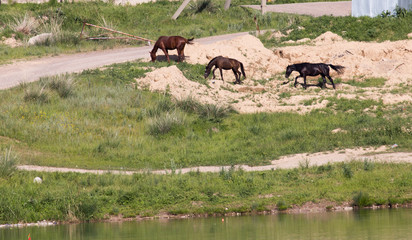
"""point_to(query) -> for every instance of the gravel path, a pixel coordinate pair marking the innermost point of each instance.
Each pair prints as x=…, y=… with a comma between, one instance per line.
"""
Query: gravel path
x=294, y=161
x=316, y=9
x=30, y=71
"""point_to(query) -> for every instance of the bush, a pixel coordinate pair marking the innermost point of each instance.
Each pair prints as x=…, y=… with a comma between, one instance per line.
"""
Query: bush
x=213, y=112
x=62, y=84
x=36, y=94
x=7, y=164
x=164, y=123
x=368, y=165
x=362, y=199
x=282, y=206
x=347, y=171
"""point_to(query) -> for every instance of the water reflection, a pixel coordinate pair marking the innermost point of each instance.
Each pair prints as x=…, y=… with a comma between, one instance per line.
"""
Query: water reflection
x=365, y=224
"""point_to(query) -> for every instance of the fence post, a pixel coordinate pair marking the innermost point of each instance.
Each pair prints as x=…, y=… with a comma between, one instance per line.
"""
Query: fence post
x=227, y=4
x=263, y=6
x=180, y=9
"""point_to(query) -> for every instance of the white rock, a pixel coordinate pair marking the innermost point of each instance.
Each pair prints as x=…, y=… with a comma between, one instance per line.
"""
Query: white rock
x=37, y=180
x=39, y=39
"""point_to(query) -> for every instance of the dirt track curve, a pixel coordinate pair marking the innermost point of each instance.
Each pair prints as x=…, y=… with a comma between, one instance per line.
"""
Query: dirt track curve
x=381, y=154
x=30, y=71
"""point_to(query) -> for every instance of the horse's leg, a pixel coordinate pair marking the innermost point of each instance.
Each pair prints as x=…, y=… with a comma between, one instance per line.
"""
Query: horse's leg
x=166, y=53
x=240, y=75
x=214, y=77
x=304, y=82
x=221, y=73
x=182, y=53
x=296, y=80
x=333, y=84
x=179, y=52
x=236, y=76
x=324, y=81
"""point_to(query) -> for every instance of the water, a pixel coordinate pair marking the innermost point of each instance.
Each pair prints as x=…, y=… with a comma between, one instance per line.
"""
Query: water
x=367, y=224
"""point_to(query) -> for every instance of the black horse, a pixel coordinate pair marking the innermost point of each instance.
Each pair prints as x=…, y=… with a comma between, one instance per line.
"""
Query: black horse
x=227, y=64
x=313, y=69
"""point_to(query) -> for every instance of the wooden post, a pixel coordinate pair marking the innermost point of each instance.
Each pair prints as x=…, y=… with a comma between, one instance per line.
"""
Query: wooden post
x=179, y=11
x=263, y=6
x=227, y=4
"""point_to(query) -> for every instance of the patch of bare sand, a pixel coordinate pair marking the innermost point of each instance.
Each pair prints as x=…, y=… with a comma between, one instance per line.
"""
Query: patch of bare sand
x=263, y=91
x=11, y=42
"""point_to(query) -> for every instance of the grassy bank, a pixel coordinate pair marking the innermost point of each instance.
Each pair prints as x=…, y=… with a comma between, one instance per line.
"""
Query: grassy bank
x=80, y=197
x=99, y=120
x=151, y=20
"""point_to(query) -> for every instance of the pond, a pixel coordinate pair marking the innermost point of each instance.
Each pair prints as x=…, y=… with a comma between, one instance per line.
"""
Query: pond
x=364, y=224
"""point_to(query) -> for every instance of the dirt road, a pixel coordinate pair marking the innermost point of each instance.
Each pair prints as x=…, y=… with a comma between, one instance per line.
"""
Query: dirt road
x=287, y=162
x=30, y=71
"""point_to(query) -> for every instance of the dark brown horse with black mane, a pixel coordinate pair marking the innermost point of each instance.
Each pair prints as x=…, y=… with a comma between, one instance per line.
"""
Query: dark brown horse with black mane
x=227, y=64
x=313, y=69
x=169, y=43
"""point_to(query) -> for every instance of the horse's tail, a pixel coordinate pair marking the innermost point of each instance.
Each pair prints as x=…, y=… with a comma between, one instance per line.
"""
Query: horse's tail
x=189, y=41
x=337, y=68
x=243, y=70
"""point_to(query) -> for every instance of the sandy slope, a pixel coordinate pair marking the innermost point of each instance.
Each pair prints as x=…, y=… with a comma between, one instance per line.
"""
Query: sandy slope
x=263, y=91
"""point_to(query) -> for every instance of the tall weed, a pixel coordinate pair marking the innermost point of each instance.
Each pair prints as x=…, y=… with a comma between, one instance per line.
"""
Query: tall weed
x=164, y=123
x=37, y=94
x=8, y=163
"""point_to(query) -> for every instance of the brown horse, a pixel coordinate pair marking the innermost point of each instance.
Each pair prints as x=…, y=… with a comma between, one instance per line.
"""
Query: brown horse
x=169, y=43
x=227, y=64
x=313, y=69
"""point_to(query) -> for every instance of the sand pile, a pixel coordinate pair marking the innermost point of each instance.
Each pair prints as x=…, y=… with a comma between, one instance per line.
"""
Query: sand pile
x=361, y=59
x=244, y=98
x=259, y=61
x=263, y=90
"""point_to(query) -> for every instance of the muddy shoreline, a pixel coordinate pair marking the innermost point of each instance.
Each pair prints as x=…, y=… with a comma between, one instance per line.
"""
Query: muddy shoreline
x=307, y=208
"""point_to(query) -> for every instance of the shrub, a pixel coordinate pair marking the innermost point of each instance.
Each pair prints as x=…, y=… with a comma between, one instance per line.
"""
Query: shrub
x=24, y=24
x=163, y=105
x=362, y=199
x=188, y=104
x=36, y=94
x=165, y=122
x=368, y=165
x=282, y=206
x=7, y=163
x=347, y=171
x=62, y=84
x=202, y=5
x=213, y=112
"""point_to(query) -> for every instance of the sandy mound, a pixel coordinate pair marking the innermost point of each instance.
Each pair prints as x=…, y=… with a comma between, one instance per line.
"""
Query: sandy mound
x=259, y=61
x=11, y=42
x=328, y=38
x=260, y=92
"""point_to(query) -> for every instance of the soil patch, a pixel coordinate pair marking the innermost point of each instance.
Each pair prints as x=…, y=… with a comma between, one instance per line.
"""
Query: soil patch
x=264, y=90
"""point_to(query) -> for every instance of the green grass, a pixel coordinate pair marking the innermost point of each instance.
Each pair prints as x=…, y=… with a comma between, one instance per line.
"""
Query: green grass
x=82, y=197
x=368, y=82
x=106, y=123
x=151, y=20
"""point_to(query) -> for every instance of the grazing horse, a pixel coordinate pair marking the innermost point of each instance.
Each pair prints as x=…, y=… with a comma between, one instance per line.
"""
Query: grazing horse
x=169, y=43
x=227, y=64
x=313, y=69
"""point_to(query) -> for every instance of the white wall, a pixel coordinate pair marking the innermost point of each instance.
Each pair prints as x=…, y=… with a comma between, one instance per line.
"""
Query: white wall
x=373, y=8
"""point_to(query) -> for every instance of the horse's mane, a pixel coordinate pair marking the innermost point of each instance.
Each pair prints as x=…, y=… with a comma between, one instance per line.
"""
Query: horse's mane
x=212, y=61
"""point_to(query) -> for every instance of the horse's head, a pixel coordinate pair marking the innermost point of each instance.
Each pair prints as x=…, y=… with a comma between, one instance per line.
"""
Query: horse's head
x=207, y=72
x=153, y=56
x=289, y=70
